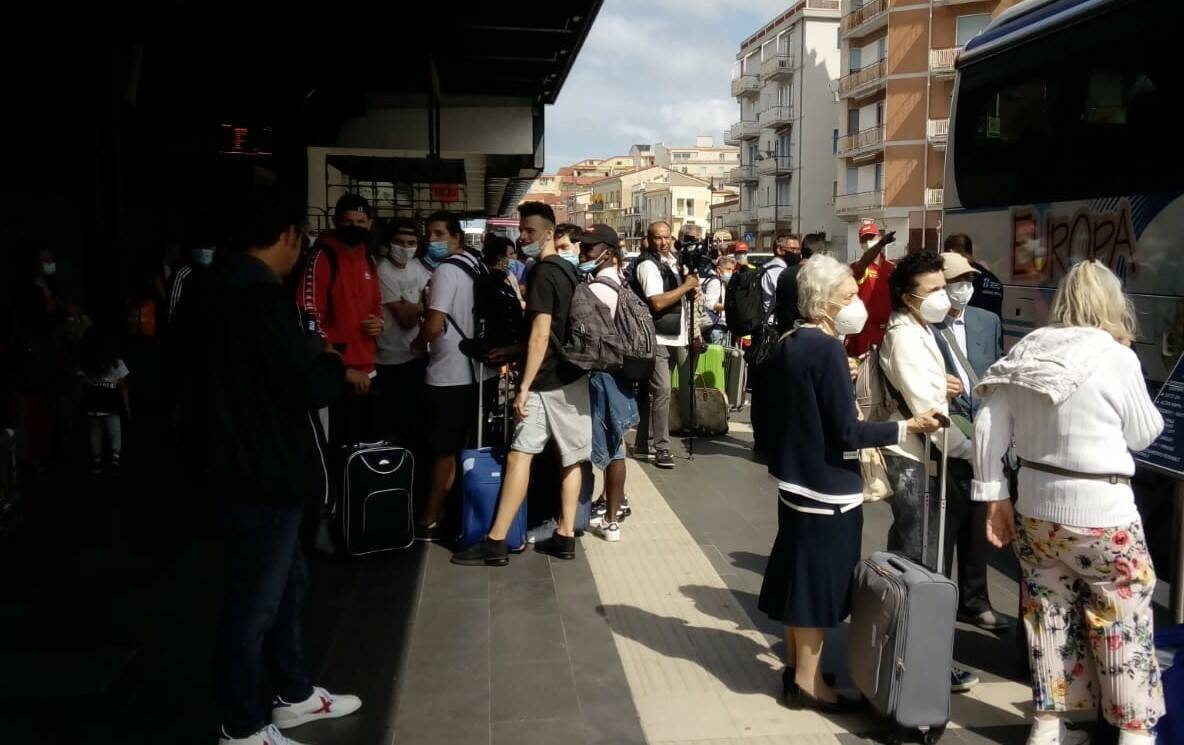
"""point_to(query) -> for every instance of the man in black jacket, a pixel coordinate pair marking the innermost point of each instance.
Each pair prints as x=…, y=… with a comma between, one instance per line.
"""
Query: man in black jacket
x=255, y=379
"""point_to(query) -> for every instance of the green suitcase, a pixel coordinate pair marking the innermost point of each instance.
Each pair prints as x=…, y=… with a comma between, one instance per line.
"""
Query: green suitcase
x=709, y=369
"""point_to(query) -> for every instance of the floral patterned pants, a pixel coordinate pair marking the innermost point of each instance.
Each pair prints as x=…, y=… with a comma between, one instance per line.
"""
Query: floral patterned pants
x=1086, y=596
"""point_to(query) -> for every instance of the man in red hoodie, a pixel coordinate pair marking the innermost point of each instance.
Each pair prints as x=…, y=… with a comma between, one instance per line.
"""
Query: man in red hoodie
x=340, y=295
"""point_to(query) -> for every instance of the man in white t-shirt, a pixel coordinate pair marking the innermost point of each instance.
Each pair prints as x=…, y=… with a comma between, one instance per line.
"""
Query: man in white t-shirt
x=402, y=277
x=450, y=395
x=657, y=273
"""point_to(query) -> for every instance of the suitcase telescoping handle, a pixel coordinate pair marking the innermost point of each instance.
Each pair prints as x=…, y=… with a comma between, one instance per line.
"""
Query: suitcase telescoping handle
x=941, y=512
x=480, y=402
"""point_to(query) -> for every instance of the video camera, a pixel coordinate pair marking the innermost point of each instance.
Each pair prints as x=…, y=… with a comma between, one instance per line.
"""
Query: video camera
x=695, y=255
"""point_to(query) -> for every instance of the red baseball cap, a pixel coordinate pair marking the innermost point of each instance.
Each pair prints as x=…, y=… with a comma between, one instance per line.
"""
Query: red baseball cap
x=868, y=229
x=741, y=248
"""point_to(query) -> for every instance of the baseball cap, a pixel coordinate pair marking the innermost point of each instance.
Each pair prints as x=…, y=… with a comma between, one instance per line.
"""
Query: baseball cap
x=741, y=248
x=955, y=265
x=868, y=229
x=600, y=233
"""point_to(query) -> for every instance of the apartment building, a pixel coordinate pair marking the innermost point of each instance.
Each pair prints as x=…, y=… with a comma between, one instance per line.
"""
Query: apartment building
x=894, y=105
x=704, y=160
x=783, y=79
x=676, y=198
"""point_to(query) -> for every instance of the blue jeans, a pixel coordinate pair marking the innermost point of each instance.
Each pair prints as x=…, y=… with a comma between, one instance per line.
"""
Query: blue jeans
x=265, y=584
x=614, y=411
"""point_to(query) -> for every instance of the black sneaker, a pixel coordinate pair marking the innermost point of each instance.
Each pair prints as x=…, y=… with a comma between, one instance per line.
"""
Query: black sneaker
x=558, y=546
x=663, y=459
x=488, y=553
x=624, y=510
x=961, y=680
x=599, y=508
x=642, y=454
x=430, y=533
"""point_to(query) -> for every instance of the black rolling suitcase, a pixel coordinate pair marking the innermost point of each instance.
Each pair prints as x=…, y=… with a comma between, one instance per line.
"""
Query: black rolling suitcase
x=376, y=498
x=901, y=637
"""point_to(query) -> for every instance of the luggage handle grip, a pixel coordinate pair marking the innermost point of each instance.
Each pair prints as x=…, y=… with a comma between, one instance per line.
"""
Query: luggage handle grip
x=898, y=564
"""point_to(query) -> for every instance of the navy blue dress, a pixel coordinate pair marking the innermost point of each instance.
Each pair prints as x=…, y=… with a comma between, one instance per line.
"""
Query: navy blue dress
x=814, y=438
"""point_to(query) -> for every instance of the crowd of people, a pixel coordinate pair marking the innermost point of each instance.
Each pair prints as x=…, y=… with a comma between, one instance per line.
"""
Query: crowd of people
x=282, y=349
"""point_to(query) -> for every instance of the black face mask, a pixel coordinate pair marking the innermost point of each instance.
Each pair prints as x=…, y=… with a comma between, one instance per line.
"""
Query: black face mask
x=352, y=235
x=792, y=259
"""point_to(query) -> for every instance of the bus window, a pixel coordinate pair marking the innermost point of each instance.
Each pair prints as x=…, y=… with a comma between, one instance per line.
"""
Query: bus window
x=1091, y=118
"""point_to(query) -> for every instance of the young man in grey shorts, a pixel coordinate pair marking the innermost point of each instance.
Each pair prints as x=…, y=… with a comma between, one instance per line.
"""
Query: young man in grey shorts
x=552, y=401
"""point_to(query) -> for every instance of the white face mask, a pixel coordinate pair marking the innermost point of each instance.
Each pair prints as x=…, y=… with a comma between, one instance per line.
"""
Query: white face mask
x=960, y=294
x=935, y=307
x=401, y=254
x=49, y=268
x=851, y=318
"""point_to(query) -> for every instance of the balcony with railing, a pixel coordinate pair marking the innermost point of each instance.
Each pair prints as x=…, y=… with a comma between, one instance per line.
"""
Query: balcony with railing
x=777, y=65
x=774, y=165
x=781, y=211
x=850, y=205
x=942, y=61
x=938, y=131
x=741, y=174
x=865, y=81
x=866, y=143
x=935, y=197
x=738, y=218
x=746, y=84
x=744, y=130
x=870, y=16
x=776, y=116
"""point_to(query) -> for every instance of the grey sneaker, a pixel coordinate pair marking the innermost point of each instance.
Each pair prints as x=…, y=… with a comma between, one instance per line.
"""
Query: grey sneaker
x=962, y=680
x=663, y=459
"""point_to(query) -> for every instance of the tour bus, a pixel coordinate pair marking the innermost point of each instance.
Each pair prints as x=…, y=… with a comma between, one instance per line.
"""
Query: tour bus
x=1062, y=146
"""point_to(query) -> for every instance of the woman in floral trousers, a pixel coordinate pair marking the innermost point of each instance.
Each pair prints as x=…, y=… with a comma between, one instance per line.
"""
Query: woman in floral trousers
x=1070, y=403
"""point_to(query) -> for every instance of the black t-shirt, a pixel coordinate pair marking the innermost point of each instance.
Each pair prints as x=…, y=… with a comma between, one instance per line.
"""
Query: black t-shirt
x=549, y=289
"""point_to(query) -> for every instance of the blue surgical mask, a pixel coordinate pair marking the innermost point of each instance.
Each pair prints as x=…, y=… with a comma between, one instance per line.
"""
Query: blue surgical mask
x=515, y=266
x=533, y=249
x=203, y=256
x=726, y=277
x=431, y=263
x=439, y=250
x=571, y=258
x=587, y=267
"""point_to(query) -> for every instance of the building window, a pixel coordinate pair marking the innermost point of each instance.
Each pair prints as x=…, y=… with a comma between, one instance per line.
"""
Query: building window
x=971, y=26
x=834, y=143
x=879, y=176
x=852, y=180
x=691, y=207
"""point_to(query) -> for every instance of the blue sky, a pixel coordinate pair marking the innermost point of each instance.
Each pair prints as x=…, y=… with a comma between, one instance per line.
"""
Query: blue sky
x=652, y=71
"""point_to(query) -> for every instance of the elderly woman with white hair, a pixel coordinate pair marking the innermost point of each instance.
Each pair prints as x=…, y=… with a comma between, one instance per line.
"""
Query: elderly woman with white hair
x=815, y=435
x=1070, y=402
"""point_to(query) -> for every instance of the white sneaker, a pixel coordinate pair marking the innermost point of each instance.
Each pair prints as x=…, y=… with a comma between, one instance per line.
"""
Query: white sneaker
x=610, y=532
x=269, y=735
x=320, y=705
x=1046, y=734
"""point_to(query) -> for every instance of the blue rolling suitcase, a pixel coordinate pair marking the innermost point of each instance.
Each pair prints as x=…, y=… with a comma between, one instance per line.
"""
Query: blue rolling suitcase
x=481, y=485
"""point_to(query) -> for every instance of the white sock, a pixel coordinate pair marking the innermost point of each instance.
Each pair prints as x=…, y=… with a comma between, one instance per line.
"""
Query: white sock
x=1135, y=737
x=1054, y=732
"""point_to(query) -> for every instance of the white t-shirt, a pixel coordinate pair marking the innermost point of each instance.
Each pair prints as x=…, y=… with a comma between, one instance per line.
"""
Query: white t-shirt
x=650, y=279
x=406, y=284
x=451, y=293
x=714, y=292
x=603, y=292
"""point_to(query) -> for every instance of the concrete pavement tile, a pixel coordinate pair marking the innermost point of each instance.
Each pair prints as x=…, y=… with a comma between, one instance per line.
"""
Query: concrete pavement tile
x=450, y=623
x=534, y=690
x=537, y=732
x=446, y=732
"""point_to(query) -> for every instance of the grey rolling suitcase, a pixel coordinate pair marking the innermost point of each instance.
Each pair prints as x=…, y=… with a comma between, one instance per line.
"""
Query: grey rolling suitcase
x=735, y=377
x=901, y=636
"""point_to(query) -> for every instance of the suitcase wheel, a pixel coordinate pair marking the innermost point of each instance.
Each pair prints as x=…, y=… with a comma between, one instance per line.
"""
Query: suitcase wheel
x=933, y=734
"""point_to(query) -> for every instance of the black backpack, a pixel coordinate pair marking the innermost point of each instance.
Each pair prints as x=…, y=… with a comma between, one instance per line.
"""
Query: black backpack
x=497, y=313
x=743, y=304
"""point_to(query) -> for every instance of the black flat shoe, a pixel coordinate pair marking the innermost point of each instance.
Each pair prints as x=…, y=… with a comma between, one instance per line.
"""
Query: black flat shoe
x=558, y=547
x=789, y=687
x=842, y=705
x=488, y=553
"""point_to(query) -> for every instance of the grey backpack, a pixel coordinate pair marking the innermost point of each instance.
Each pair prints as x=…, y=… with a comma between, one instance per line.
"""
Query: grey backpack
x=624, y=345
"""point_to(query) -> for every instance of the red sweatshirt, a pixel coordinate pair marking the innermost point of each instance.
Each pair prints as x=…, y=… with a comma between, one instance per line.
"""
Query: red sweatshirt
x=355, y=296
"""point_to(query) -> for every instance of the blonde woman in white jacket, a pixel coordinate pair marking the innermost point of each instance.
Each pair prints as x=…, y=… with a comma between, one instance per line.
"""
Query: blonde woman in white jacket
x=1071, y=403
x=914, y=366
